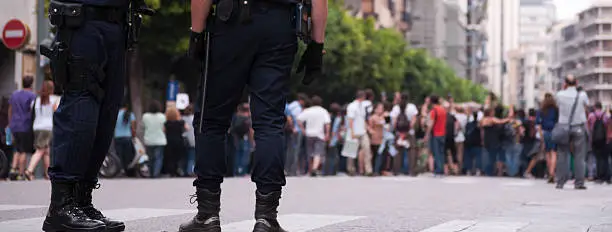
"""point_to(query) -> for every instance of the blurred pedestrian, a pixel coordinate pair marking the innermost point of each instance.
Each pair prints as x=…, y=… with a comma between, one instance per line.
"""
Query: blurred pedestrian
x=315, y=122
x=124, y=132
x=20, y=123
x=336, y=140
x=436, y=134
x=547, y=118
x=293, y=166
x=175, y=147
x=154, y=137
x=571, y=104
x=190, y=140
x=356, y=115
x=376, y=125
x=598, y=125
x=242, y=135
x=493, y=131
x=44, y=107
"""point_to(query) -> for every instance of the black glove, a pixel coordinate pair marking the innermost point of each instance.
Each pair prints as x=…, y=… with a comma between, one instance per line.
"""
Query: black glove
x=312, y=62
x=197, y=49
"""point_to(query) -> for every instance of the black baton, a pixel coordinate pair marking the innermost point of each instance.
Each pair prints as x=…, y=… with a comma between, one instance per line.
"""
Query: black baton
x=204, y=71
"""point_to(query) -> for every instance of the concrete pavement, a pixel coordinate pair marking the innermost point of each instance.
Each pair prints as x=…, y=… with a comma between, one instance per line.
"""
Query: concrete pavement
x=336, y=204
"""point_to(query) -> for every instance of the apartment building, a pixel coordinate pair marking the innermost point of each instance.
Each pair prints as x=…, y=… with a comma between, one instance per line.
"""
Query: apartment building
x=476, y=41
x=531, y=76
x=388, y=13
x=587, y=51
x=554, y=53
x=502, y=30
x=455, y=41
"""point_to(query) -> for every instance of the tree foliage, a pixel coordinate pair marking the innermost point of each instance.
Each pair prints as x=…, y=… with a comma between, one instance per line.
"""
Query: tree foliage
x=358, y=55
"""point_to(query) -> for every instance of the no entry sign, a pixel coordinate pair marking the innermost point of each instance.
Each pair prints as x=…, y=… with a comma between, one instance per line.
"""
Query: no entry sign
x=15, y=34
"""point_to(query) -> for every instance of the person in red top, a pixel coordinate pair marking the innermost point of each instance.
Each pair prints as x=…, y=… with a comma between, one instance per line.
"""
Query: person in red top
x=436, y=130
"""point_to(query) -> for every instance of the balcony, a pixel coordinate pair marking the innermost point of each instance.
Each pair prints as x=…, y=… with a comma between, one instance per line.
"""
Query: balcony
x=594, y=20
x=598, y=53
x=599, y=36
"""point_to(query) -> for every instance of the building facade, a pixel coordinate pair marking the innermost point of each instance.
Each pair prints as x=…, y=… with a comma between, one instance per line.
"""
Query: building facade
x=586, y=51
x=15, y=64
x=476, y=41
x=502, y=30
x=455, y=42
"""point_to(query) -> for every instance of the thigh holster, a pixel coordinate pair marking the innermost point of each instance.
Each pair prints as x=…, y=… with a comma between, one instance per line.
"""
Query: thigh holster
x=70, y=72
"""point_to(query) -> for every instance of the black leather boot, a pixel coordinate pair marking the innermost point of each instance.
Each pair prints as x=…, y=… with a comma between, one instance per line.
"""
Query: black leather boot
x=207, y=219
x=65, y=215
x=84, y=201
x=265, y=212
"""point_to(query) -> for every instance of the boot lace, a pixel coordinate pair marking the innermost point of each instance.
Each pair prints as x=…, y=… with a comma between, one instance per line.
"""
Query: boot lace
x=73, y=209
x=86, y=201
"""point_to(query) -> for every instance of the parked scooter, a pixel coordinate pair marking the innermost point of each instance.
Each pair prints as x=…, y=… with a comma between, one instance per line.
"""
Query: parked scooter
x=112, y=166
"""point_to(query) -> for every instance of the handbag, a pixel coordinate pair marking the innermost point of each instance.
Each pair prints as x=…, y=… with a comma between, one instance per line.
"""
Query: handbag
x=561, y=132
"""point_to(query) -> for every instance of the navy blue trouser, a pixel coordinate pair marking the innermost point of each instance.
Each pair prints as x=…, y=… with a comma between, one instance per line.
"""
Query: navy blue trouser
x=83, y=126
x=260, y=55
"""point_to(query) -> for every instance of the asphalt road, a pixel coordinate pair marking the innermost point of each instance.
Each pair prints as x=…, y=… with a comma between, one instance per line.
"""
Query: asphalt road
x=335, y=204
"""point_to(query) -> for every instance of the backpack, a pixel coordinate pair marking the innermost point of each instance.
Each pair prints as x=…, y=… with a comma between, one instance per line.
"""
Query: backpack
x=241, y=126
x=403, y=124
x=599, y=131
x=472, y=133
x=450, y=126
x=530, y=131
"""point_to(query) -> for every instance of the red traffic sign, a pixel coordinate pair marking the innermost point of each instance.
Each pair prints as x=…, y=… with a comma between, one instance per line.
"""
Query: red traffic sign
x=15, y=34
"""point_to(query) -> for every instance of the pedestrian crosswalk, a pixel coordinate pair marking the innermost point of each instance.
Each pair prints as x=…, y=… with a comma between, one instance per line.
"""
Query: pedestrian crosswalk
x=522, y=220
x=291, y=222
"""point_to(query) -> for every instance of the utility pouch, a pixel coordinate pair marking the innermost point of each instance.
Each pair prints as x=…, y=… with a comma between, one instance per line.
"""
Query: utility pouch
x=224, y=10
x=66, y=15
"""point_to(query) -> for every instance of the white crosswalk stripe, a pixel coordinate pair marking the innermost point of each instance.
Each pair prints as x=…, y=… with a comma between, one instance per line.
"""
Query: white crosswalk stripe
x=520, y=183
x=477, y=226
x=19, y=207
x=294, y=222
x=130, y=214
x=291, y=222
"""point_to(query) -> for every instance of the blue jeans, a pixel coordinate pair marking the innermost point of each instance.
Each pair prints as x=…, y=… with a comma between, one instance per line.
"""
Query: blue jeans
x=513, y=158
x=472, y=159
x=190, y=164
x=494, y=155
x=437, y=149
x=156, y=159
x=243, y=152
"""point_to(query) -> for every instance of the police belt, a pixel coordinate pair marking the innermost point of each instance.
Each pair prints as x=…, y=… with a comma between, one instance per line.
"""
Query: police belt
x=115, y=15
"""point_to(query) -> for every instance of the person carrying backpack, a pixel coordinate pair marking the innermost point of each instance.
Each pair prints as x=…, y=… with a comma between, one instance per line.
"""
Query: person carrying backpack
x=472, y=160
x=598, y=122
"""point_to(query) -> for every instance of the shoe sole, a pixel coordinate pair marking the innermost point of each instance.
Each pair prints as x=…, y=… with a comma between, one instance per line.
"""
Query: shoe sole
x=47, y=227
x=217, y=229
x=120, y=228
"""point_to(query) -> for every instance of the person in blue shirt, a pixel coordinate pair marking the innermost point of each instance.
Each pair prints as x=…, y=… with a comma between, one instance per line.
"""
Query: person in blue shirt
x=124, y=146
x=546, y=120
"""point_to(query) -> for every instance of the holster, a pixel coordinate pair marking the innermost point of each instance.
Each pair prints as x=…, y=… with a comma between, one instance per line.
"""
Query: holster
x=303, y=21
x=69, y=72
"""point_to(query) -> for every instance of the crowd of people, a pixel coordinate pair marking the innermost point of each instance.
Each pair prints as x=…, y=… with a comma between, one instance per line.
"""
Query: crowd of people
x=396, y=137
x=368, y=136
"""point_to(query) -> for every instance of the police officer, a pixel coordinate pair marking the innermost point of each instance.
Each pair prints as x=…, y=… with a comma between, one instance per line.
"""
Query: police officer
x=252, y=43
x=88, y=63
